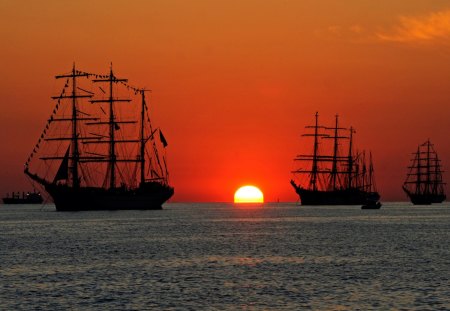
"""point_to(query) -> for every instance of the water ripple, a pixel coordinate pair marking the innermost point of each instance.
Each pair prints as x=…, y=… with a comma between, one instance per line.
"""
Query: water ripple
x=216, y=257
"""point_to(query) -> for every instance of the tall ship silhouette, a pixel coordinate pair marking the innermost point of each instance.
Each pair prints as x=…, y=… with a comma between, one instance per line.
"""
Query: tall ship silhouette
x=334, y=173
x=424, y=184
x=99, y=149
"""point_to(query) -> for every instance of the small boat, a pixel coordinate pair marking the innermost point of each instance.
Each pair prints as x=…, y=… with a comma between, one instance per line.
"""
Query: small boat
x=372, y=205
x=26, y=198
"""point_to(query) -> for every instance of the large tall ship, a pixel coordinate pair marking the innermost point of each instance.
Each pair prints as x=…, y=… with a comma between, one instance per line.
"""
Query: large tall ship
x=99, y=149
x=334, y=173
x=424, y=184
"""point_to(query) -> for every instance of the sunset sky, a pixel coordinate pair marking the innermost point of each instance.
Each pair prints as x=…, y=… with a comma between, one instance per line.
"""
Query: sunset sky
x=235, y=81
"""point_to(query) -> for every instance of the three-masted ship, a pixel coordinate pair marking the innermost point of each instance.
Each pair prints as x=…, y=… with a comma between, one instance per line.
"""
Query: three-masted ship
x=99, y=149
x=335, y=175
x=424, y=184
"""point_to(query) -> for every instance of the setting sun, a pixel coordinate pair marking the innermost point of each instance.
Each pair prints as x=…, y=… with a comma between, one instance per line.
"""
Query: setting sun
x=248, y=194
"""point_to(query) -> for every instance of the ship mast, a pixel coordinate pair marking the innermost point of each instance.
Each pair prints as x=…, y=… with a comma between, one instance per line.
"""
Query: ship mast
x=363, y=178
x=371, y=184
x=112, y=159
x=315, y=169
x=434, y=185
x=419, y=175
x=437, y=175
x=428, y=184
x=316, y=148
x=350, y=157
x=142, y=138
x=75, y=154
x=335, y=158
x=315, y=158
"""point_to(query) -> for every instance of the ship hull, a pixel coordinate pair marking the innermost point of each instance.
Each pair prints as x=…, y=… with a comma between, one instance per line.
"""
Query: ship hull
x=150, y=197
x=424, y=198
x=350, y=196
x=21, y=201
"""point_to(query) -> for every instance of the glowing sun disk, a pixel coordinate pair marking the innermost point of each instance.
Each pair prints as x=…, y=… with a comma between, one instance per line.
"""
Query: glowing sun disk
x=248, y=194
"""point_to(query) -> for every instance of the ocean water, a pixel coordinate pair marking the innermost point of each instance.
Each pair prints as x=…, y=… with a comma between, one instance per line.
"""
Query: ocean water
x=220, y=257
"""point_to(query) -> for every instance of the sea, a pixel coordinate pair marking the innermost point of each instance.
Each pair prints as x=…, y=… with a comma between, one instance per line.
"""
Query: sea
x=217, y=256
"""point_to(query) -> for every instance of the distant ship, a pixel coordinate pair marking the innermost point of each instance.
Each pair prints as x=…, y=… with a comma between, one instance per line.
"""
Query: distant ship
x=26, y=198
x=338, y=177
x=99, y=150
x=424, y=184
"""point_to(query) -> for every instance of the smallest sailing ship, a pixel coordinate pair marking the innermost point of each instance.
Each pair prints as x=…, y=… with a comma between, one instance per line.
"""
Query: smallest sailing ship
x=26, y=198
x=424, y=183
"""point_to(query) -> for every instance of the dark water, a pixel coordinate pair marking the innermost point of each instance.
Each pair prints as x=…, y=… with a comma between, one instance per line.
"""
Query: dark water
x=216, y=256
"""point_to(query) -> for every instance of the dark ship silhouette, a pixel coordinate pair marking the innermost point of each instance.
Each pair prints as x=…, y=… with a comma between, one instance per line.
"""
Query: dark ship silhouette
x=26, y=198
x=99, y=150
x=424, y=184
x=336, y=178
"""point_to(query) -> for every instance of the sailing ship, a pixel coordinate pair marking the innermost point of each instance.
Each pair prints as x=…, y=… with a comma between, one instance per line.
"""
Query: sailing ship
x=337, y=177
x=99, y=149
x=26, y=198
x=424, y=184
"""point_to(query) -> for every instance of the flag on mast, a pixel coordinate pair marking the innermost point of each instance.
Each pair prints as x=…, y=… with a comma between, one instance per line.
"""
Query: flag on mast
x=163, y=139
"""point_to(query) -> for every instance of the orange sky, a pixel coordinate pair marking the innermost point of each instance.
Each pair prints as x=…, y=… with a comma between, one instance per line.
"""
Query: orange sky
x=235, y=82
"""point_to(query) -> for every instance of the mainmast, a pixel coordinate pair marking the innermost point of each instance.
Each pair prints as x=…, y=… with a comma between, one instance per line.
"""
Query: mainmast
x=334, y=167
x=112, y=159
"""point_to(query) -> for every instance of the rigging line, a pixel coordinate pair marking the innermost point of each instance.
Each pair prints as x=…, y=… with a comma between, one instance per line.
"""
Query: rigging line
x=85, y=90
x=43, y=133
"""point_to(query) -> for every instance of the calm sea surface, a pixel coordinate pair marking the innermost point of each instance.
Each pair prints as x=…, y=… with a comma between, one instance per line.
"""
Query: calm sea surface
x=216, y=256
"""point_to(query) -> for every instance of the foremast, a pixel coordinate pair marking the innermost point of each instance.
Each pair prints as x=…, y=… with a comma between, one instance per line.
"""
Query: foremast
x=73, y=152
x=315, y=158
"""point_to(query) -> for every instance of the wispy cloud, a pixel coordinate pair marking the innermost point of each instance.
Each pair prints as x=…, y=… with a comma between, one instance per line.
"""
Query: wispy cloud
x=334, y=31
x=434, y=27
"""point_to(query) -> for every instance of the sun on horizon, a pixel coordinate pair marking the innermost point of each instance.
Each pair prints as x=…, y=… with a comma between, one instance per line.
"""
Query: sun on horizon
x=248, y=194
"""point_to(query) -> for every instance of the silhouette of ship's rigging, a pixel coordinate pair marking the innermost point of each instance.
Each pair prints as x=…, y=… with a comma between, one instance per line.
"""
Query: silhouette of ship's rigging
x=99, y=149
x=340, y=177
x=424, y=184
